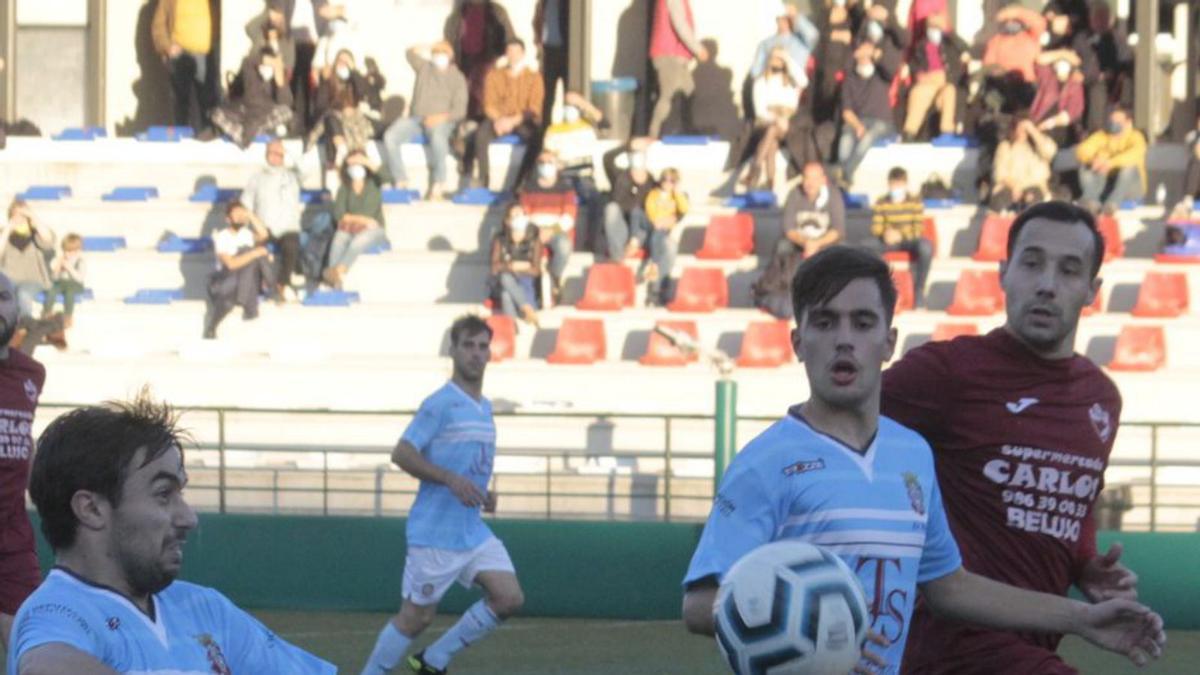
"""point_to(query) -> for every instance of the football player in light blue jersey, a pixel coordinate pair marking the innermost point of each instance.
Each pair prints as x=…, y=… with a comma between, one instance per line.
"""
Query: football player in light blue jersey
x=108, y=483
x=450, y=446
x=833, y=472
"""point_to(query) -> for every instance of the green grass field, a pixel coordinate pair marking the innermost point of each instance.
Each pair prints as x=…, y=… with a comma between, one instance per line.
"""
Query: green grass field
x=594, y=647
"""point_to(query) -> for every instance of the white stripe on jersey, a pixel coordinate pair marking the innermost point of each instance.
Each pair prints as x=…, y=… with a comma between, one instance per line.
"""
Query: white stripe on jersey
x=873, y=550
x=167, y=672
x=823, y=517
x=867, y=537
x=463, y=438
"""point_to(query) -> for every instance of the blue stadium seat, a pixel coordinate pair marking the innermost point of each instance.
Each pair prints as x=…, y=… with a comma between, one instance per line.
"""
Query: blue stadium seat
x=382, y=247
x=856, y=200
x=759, y=199
x=166, y=134
x=45, y=193
x=476, y=196
x=155, y=296
x=1130, y=204
x=314, y=196
x=885, y=141
x=689, y=140
x=83, y=296
x=508, y=139
x=80, y=134
x=953, y=141
x=331, y=298
x=131, y=194
x=103, y=244
x=209, y=193
x=948, y=203
x=391, y=196
x=175, y=244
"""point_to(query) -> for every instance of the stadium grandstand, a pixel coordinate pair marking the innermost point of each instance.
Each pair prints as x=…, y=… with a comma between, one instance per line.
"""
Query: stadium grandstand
x=296, y=401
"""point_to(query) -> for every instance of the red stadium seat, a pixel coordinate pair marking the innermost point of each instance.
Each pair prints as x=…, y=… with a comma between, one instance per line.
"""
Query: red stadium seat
x=1096, y=307
x=1139, y=349
x=660, y=351
x=928, y=232
x=1113, y=246
x=903, y=281
x=728, y=238
x=1163, y=295
x=504, y=337
x=580, y=341
x=609, y=288
x=977, y=293
x=993, y=238
x=1176, y=259
x=766, y=344
x=948, y=331
x=700, y=289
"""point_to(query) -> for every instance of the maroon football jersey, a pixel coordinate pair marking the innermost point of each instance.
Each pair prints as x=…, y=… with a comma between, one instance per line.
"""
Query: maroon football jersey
x=1020, y=446
x=21, y=380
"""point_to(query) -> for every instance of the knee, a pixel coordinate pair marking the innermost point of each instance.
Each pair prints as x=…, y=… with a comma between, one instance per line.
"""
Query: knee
x=507, y=603
x=414, y=619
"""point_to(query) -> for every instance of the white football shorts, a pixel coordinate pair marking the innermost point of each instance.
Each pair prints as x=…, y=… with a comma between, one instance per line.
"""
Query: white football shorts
x=429, y=572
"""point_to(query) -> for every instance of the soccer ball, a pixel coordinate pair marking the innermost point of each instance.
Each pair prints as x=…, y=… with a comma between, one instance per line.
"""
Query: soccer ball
x=791, y=608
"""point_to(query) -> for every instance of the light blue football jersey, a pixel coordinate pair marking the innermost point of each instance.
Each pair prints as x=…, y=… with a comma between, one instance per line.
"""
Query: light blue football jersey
x=455, y=432
x=880, y=511
x=193, y=630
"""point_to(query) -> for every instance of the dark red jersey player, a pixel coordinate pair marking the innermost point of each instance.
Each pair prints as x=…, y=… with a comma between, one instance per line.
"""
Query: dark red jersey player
x=1021, y=428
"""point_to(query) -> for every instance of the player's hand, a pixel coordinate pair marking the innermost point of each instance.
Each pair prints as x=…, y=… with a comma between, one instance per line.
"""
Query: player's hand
x=466, y=491
x=1104, y=577
x=489, y=502
x=1125, y=627
x=871, y=662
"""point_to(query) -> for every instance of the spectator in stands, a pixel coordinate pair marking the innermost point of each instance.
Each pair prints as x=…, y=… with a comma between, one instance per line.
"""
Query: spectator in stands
x=1067, y=26
x=776, y=97
x=516, y=265
x=273, y=195
x=358, y=213
x=264, y=103
x=666, y=205
x=343, y=75
x=344, y=130
x=937, y=66
x=551, y=30
x=68, y=274
x=880, y=28
x=182, y=31
x=243, y=270
x=626, y=227
x=795, y=34
x=26, y=245
x=573, y=140
x=866, y=111
x=281, y=41
x=1191, y=176
x=1115, y=56
x=1021, y=173
x=1112, y=164
x=1011, y=55
x=549, y=202
x=480, y=32
x=1059, y=103
x=512, y=104
x=673, y=45
x=920, y=11
x=307, y=21
x=898, y=224
x=814, y=217
x=339, y=36
x=439, y=104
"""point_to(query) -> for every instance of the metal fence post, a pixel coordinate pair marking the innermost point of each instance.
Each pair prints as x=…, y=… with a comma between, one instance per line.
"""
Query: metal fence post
x=1154, y=478
x=221, y=461
x=325, y=482
x=725, y=419
x=667, y=470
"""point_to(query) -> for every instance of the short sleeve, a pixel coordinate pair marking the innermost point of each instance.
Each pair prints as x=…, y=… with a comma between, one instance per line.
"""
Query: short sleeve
x=254, y=648
x=424, y=425
x=940, y=555
x=51, y=622
x=916, y=390
x=224, y=243
x=743, y=518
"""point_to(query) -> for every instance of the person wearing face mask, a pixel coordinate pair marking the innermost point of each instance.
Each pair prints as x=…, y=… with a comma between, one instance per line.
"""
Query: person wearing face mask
x=264, y=104
x=343, y=130
x=880, y=29
x=626, y=227
x=866, y=109
x=243, y=268
x=937, y=66
x=479, y=31
x=282, y=42
x=573, y=139
x=439, y=104
x=1112, y=164
x=26, y=243
x=516, y=255
x=342, y=75
x=549, y=202
x=794, y=33
x=358, y=214
x=776, y=96
x=273, y=194
x=666, y=205
x=1021, y=174
x=1010, y=57
x=898, y=224
x=512, y=104
x=1058, y=105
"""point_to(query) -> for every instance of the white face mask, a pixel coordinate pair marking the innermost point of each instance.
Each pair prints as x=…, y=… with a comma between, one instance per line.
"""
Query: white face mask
x=570, y=114
x=357, y=172
x=1045, y=38
x=839, y=3
x=343, y=73
x=266, y=72
x=441, y=60
x=874, y=31
x=547, y=170
x=519, y=223
x=934, y=35
x=1063, y=70
x=866, y=70
x=898, y=194
x=637, y=160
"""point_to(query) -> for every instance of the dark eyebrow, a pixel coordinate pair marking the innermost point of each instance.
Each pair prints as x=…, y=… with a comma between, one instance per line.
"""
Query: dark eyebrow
x=170, y=478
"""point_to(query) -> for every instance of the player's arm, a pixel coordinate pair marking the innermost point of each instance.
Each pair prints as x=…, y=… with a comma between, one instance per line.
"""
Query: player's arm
x=409, y=458
x=698, y=606
x=1122, y=626
x=55, y=658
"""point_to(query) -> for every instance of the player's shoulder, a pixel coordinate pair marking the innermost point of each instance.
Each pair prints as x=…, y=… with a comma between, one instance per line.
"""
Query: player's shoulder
x=1094, y=379
x=899, y=437
x=19, y=360
x=775, y=446
x=64, y=598
x=202, y=604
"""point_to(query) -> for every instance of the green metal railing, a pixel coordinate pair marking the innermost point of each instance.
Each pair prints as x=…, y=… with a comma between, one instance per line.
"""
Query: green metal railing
x=672, y=495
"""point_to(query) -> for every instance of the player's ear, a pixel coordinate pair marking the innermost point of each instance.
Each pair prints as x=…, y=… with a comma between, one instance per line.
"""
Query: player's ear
x=90, y=509
x=892, y=337
x=1093, y=291
x=796, y=343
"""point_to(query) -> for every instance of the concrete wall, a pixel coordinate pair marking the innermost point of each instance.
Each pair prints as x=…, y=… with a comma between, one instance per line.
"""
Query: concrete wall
x=136, y=90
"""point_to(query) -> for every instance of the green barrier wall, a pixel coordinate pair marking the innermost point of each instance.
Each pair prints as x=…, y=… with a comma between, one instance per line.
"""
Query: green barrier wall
x=584, y=569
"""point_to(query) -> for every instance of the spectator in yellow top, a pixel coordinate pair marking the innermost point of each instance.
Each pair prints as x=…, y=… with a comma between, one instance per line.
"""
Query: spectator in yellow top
x=182, y=31
x=898, y=224
x=1112, y=163
x=666, y=205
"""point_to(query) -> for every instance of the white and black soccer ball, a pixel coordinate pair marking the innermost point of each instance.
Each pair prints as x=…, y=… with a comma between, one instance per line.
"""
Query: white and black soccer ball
x=791, y=608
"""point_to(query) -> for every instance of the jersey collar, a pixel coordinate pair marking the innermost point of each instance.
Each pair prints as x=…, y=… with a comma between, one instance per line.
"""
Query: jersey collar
x=152, y=618
x=864, y=460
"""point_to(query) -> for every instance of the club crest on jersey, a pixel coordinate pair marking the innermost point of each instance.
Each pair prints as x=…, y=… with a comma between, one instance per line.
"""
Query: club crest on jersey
x=113, y=623
x=916, y=496
x=1101, y=421
x=804, y=466
x=31, y=391
x=213, y=651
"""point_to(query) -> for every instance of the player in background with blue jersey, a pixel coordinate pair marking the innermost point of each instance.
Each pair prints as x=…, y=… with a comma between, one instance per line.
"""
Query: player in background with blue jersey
x=450, y=445
x=835, y=473
x=108, y=483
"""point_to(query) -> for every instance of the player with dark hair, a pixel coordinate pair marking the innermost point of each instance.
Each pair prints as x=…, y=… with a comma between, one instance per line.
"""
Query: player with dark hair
x=1021, y=428
x=21, y=380
x=108, y=483
x=835, y=473
x=450, y=446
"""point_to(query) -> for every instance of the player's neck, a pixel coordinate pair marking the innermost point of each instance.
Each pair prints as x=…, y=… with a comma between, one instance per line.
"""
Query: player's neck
x=1063, y=350
x=100, y=570
x=474, y=389
x=855, y=427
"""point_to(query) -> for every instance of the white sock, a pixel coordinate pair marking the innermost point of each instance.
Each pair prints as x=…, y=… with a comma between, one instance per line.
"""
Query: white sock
x=389, y=649
x=475, y=624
